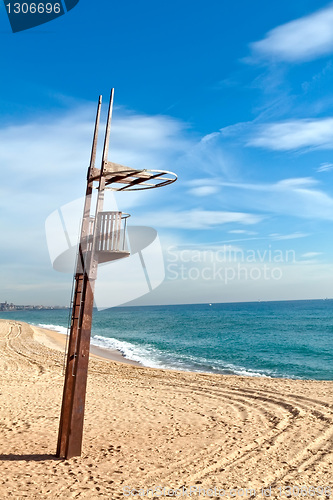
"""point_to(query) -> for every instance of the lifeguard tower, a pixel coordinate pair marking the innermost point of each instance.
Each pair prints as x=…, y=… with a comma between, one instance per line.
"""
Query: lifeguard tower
x=102, y=239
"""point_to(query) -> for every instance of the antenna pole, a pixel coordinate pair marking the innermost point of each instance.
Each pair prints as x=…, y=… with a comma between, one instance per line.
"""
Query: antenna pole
x=108, y=130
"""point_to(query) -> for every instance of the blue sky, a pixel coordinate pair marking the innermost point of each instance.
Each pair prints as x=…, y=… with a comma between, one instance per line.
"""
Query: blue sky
x=235, y=97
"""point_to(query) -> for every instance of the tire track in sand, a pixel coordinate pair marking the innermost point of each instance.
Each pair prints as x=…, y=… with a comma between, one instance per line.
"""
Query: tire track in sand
x=283, y=417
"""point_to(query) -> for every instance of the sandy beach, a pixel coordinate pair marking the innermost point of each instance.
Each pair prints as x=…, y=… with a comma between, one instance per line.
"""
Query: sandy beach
x=200, y=434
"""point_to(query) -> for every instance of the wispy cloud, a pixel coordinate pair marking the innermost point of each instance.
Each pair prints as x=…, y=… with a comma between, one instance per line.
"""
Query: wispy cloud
x=291, y=236
x=296, y=197
x=296, y=183
x=242, y=231
x=207, y=157
x=56, y=151
x=204, y=191
x=55, y=146
x=325, y=167
x=310, y=255
x=197, y=219
x=317, y=78
x=294, y=135
x=46, y=160
x=300, y=197
x=303, y=39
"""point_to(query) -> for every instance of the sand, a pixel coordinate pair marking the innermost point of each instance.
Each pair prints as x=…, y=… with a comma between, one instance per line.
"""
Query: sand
x=148, y=428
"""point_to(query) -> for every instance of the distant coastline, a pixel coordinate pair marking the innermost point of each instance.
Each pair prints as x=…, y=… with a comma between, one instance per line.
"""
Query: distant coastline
x=5, y=306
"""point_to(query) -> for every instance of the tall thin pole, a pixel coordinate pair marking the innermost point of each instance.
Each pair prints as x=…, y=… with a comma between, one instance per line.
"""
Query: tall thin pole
x=83, y=342
x=108, y=129
x=72, y=412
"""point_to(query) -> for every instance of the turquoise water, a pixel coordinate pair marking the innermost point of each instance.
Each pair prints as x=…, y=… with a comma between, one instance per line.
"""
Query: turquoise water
x=276, y=339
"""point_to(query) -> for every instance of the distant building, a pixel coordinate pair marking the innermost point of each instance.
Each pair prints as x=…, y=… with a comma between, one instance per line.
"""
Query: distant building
x=5, y=306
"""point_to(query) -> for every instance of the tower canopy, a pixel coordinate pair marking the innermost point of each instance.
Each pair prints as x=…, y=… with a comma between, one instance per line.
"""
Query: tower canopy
x=121, y=178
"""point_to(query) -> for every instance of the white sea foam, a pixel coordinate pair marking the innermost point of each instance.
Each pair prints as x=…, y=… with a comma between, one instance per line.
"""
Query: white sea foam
x=146, y=355
x=243, y=372
x=56, y=328
x=151, y=357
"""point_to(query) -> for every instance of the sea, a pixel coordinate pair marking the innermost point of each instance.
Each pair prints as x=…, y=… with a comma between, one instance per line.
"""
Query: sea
x=288, y=339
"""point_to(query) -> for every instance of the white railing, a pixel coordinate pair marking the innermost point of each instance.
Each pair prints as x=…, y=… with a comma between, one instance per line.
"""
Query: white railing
x=110, y=231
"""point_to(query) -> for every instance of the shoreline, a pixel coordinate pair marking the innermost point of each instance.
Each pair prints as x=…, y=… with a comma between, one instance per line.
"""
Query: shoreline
x=57, y=340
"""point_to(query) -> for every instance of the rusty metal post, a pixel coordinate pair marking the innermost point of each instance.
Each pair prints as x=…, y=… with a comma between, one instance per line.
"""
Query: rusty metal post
x=72, y=412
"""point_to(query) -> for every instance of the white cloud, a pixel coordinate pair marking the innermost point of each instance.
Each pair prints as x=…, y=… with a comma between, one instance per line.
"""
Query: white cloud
x=325, y=167
x=242, y=231
x=310, y=255
x=316, y=79
x=55, y=146
x=143, y=141
x=299, y=197
x=196, y=219
x=291, y=197
x=56, y=153
x=204, y=190
x=46, y=161
x=203, y=181
x=297, y=182
x=291, y=236
x=295, y=134
x=209, y=159
x=300, y=40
